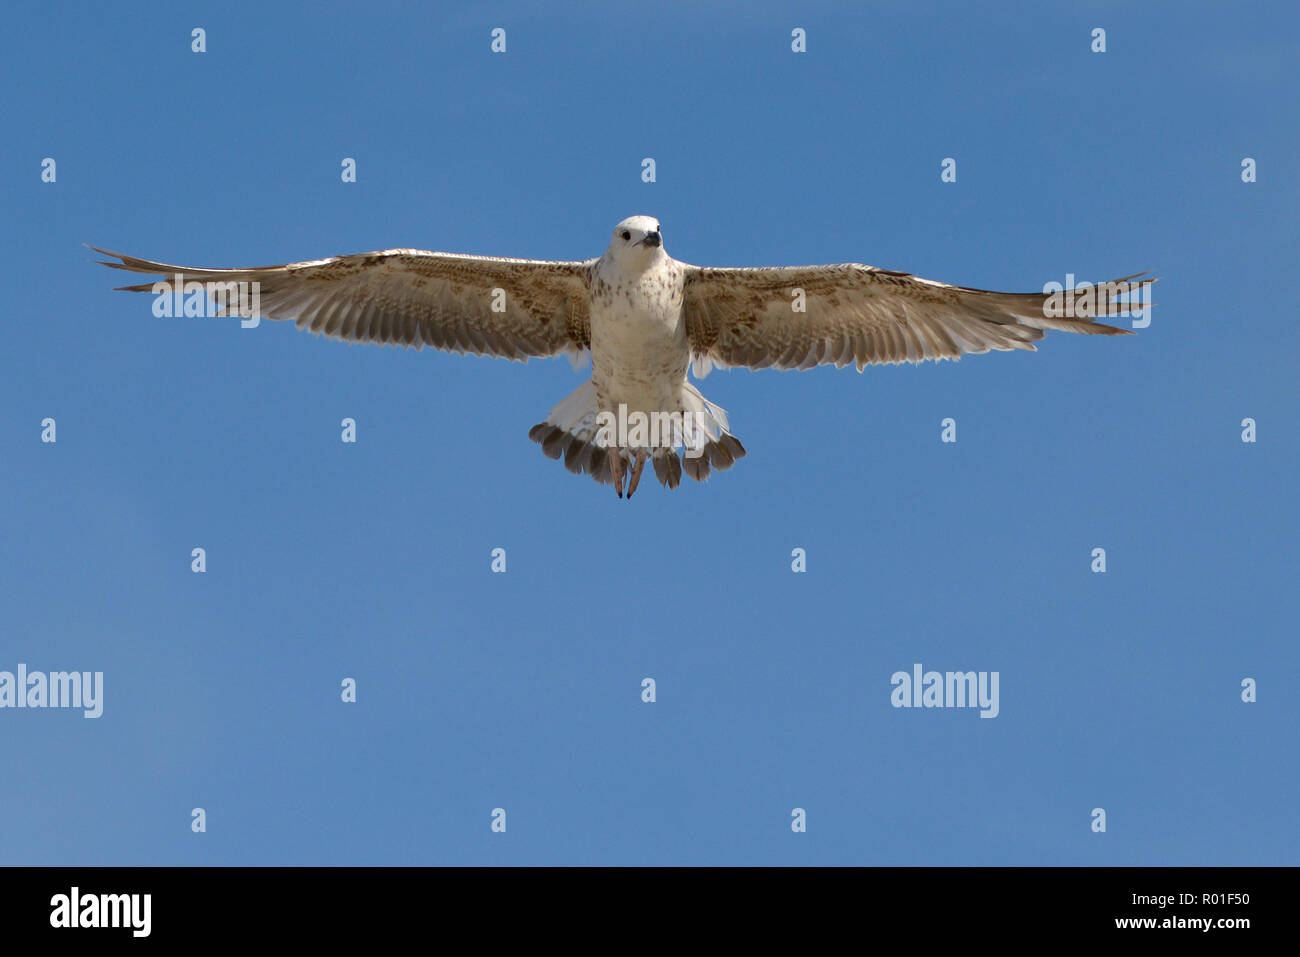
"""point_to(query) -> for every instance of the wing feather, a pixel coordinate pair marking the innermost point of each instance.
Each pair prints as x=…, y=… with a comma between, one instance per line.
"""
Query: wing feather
x=862, y=315
x=414, y=298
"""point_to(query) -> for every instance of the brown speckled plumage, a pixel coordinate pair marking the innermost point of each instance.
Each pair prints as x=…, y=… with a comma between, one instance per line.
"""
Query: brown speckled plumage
x=643, y=317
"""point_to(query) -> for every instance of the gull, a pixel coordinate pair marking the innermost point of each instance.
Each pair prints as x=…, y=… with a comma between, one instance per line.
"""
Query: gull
x=644, y=319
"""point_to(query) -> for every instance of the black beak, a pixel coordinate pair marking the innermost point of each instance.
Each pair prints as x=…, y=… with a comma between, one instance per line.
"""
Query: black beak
x=651, y=239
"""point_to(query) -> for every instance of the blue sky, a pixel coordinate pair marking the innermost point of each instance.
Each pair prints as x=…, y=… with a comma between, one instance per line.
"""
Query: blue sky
x=522, y=690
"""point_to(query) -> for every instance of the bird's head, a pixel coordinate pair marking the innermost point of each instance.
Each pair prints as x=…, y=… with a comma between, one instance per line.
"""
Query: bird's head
x=637, y=242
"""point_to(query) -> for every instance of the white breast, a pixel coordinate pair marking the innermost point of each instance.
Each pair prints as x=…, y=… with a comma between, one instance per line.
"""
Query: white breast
x=639, y=353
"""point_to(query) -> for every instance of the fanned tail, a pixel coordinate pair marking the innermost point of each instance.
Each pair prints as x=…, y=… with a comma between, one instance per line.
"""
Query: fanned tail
x=571, y=432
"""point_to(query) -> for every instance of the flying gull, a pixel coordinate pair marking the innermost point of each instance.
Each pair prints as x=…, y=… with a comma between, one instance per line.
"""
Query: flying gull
x=644, y=318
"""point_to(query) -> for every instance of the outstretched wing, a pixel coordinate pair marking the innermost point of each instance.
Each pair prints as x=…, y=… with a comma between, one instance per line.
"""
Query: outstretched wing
x=514, y=308
x=860, y=314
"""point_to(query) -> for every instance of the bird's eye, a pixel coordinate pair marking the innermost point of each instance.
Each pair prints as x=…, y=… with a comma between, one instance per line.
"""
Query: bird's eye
x=626, y=235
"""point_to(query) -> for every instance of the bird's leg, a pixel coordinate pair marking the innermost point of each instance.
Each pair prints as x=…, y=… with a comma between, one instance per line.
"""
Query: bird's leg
x=616, y=467
x=637, y=466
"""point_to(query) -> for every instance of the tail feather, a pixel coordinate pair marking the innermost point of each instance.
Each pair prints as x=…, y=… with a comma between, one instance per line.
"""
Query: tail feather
x=570, y=433
x=697, y=467
x=668, y=468
x=553, y=445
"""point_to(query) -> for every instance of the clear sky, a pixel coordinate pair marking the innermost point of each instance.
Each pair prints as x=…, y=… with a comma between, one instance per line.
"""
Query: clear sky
x=326, y=561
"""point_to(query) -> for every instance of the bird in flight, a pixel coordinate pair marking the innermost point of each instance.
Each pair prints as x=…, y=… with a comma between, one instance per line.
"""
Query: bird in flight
x=644, y=318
